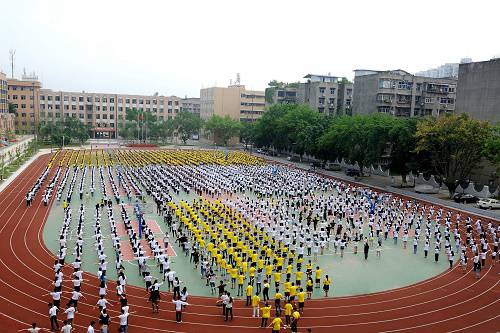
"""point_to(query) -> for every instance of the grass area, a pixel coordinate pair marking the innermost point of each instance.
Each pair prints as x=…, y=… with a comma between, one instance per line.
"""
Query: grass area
x=17, y=162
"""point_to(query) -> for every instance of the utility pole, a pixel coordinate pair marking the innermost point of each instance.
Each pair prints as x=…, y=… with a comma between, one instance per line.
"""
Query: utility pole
x=12, y=56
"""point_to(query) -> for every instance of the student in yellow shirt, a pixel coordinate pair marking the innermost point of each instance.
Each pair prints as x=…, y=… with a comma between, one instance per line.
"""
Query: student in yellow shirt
x=301, y=297
x=298, y=277
x=317, y=273
x=293, y=292
x=266, y=314
x=265, y=290
x=277, y=280
x=326, y=285
x=288, y=312
x=249, y=293
x=277, y=302
x=234, y=275
x=309, y=288
x=255, y=305
x=241, y=280
x=295, y=321
x=252, y=274
x=276, y=324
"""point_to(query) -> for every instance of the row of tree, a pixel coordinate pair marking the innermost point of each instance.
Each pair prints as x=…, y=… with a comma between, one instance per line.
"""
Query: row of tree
x=70, y=130
x=449, y=147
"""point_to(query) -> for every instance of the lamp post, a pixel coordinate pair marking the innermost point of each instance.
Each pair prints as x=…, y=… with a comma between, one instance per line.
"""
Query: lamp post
x=34, y=111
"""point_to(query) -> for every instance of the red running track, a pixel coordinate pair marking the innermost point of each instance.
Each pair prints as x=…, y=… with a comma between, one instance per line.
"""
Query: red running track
x=449, y=302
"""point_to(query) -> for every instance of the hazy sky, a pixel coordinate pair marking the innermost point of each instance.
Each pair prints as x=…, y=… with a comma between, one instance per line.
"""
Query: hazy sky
x=177, y=47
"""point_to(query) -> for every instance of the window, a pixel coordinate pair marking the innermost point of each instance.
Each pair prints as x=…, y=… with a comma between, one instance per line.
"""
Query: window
x=406, y=85
x=66, y=107
x=385, y=84
x=148, y=102
x=127, y=100
x=49, y=98
x=104, y=99
x=89, y=116
x=42, y=98
x=428, y=100
x=42, y=106
x=104, y=108
x=97, y=99
x=23, y=97
x=112, y=100
x=58, y=98
x=98, y=108
x=89, y=99
x=111, y=116
x=332, y=91
x=80, y=107
x=23, y=106
x=321, y=90
x=23, y=115
x=169, y=102
x=134, y=101
x=73, y=107
x=73, y=99
x=321, y=100
x=141, y=101
x=66, y=98
x=73, y=115
x=80, y=99
x=120, y=109
x=58, y=115
x=111, y=108
x=49, y=114
x=97, y=116
x=14, y=96
x=451, y=89
x=104, y=116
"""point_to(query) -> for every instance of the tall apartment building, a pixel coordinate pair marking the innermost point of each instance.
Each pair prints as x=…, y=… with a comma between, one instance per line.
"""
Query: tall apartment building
x=402, y=94
x=443, y=71
x=6, y=119
x=25, y=95
x=324, y=93
x=478, y=91
x=235, y=101
x=105, y=113
x=191, y=105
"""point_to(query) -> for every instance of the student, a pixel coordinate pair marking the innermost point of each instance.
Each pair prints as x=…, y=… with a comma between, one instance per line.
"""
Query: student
x=265, y=291
x=288, y=313
x=67, y=328
x=70, y=314
x=229, y=307
x=178, y=309
x=366, y=249
x=53, y=316
x=33, y=329
x=90, y=329
x=249, y=292
x=276, y=324
x=255, y=305
x=277, y=302
x=104, y=321
x=295, y=321
x=326, y=285
x=123, y=321
x=266, y=314
x=301, y=299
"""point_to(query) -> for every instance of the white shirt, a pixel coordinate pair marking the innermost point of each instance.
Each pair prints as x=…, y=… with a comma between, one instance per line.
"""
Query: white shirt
x=123, y=318
x=53, y=311
x=179, y=304
x=66, y=329
x=90, y=329
x=70, y=312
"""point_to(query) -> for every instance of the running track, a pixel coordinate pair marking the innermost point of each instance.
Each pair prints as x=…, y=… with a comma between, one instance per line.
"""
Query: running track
x=449, y=302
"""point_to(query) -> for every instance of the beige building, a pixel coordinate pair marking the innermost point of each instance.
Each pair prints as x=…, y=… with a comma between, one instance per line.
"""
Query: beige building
x=234, y=101
x=105, y=113
x=6, y=119
x=25, y=95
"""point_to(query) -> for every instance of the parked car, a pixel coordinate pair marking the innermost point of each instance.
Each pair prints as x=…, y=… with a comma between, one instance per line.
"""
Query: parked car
x=488, y=204
x=332, y=166
x=353, y=173
x=465, y=198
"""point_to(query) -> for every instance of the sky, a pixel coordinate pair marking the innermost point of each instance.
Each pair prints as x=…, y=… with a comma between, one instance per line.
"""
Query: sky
x=178, y=47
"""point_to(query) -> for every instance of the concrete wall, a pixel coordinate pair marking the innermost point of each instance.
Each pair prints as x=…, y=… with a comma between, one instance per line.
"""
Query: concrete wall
x=478, y=92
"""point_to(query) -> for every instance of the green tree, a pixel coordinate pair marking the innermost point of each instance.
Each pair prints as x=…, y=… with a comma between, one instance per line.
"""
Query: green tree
x=492, y=146
x=455, y=144
x=222, y=129
x=267, y=132
x=2, y=166
x=402, y=140
x=360, y=139
x=247, y=132
x=187, y=124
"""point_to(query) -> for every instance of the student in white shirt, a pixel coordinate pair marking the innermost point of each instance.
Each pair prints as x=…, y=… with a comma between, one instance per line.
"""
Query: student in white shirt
x=67, y=328
x=124, y=321
x=53, y=316
x=178, y=309
x=90, y=329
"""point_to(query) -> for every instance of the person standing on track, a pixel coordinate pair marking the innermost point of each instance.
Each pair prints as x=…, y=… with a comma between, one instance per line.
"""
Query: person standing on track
x=178, y=309
x=33, y=329
x=53, y=316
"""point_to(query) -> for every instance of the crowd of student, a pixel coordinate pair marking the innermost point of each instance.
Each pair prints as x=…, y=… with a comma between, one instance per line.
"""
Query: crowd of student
x=252, y=225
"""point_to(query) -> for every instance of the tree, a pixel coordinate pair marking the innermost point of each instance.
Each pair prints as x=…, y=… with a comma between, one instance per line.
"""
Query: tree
x=187, y=124
x=71, y=129
x=492, y=146
x=247, y=131
x=360, y=139
x=402, y=140
x=455, y=144
x=2, y=166
x=267, y=132
x=222, y=129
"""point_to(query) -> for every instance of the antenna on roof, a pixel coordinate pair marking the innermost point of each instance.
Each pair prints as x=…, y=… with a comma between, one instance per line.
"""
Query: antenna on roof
x=237, y=79
x=12, y=56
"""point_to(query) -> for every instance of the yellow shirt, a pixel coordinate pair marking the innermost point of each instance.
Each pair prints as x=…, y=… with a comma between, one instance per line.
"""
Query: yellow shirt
x=301, y=297
x=293, y=290
x=326, y=282
x=252, y=271
x=249, y=290
x=296, y=315
x=288, y=309
x=266, y=311
x=298, y=276
x=287, y=286
x=318, y=273
x=277, y=277
x=241, y=278
x=255, y=301
x=277, y=324
x=278, y=296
